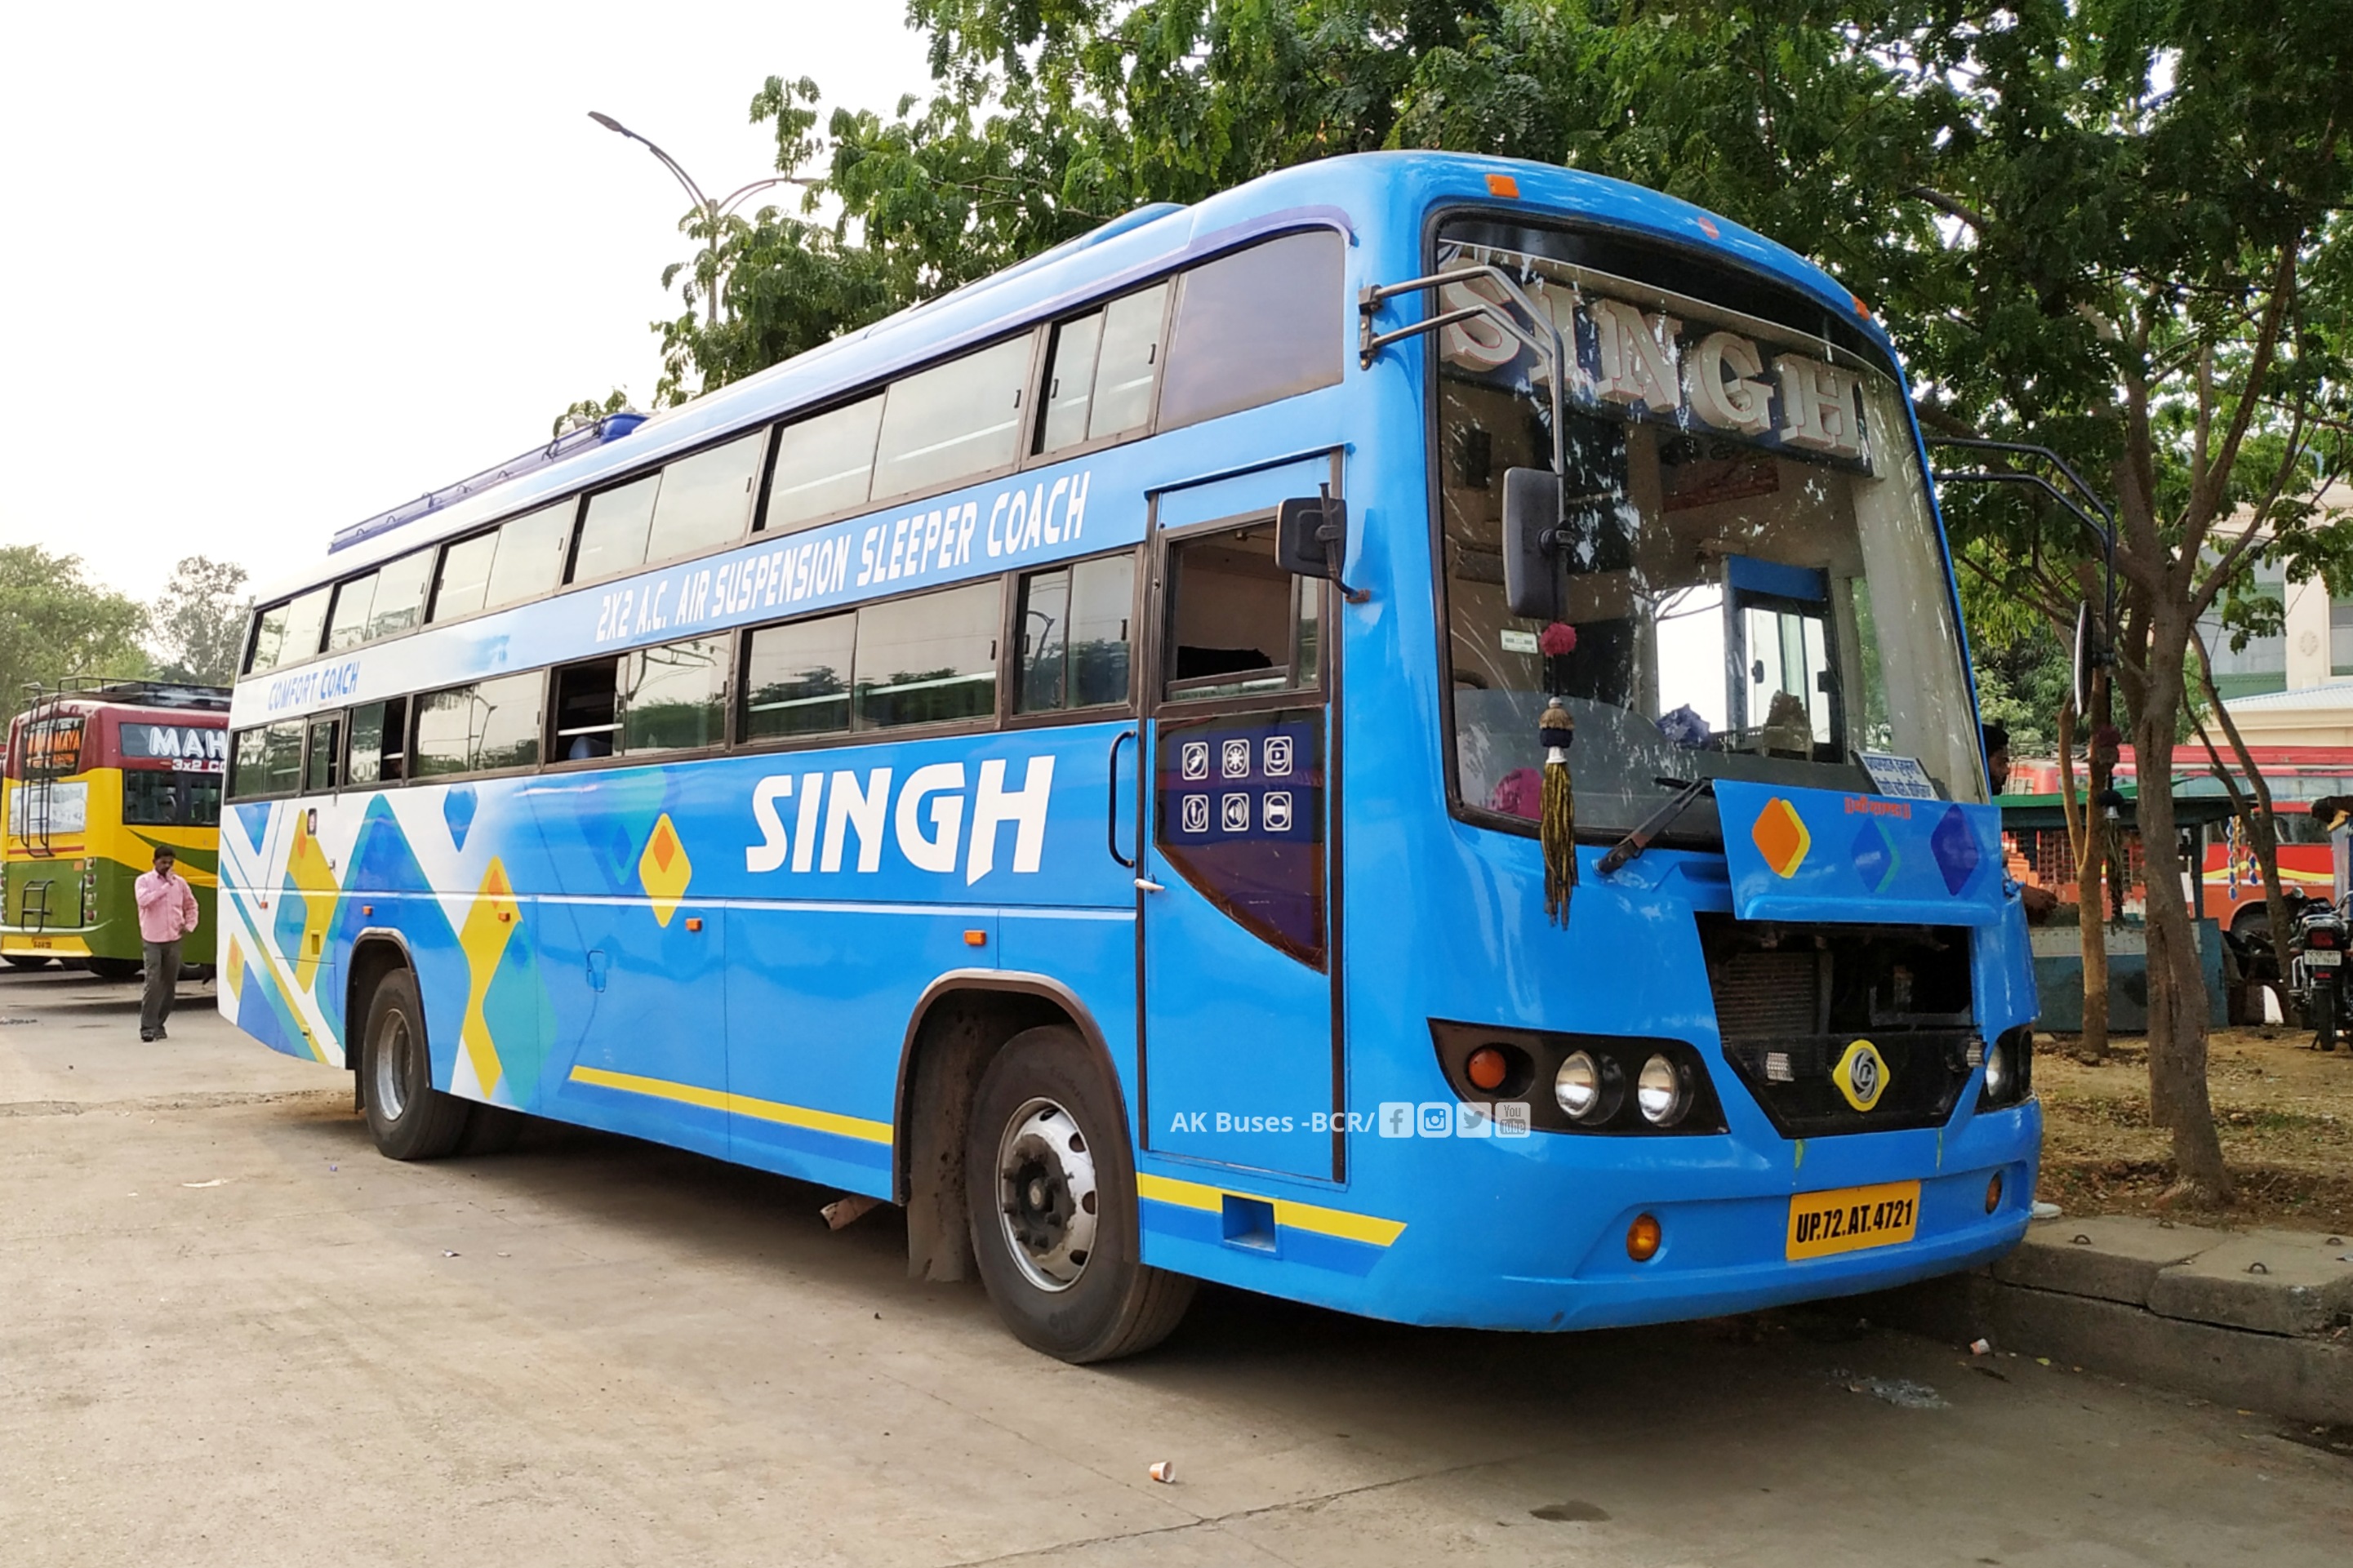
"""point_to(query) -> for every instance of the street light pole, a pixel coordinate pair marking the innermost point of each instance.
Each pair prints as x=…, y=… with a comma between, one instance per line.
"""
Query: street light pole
x=711, y=211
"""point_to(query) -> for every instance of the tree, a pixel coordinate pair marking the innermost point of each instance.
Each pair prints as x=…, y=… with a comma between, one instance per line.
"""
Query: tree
x=57, y=626
x=2113, y=227
x=200, y=623
x=587, y=411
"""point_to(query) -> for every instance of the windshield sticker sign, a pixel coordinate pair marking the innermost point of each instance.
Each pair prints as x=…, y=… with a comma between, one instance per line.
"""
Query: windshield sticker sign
x=1652, y=365
x=190, y=749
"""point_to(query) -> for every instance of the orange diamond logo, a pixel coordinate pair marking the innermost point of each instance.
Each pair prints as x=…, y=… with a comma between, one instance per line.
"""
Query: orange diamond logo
x=664, y=870
x=1782, y=838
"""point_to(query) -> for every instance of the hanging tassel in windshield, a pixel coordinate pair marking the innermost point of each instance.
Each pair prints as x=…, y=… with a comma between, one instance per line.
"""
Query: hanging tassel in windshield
x=1557, y=818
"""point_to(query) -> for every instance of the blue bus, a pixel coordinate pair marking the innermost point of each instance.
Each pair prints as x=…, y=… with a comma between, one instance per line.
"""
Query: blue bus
x=1399, y=737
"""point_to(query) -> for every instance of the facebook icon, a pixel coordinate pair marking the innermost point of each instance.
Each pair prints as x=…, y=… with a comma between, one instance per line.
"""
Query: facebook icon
x=1396, y=1119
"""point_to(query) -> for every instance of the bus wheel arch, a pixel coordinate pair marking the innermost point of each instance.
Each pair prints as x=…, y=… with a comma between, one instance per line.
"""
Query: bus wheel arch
x=374, y=956
x=960, y=1023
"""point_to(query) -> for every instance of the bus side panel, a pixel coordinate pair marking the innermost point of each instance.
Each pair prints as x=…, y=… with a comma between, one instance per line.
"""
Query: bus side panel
x=817, y=1004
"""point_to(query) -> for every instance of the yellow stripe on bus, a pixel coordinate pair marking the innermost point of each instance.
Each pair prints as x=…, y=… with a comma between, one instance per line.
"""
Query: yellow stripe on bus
x=831, y=1121
x=1342, y=1223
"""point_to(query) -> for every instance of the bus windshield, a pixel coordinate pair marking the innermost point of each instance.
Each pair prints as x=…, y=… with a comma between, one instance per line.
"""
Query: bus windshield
x=1753, y=576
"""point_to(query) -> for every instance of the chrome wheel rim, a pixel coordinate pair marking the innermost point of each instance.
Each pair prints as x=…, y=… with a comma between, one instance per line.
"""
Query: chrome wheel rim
x=1046, y=1196
x=389, y=1064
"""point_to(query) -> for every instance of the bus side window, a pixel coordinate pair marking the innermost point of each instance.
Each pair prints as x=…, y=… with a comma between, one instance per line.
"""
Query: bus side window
x=824, y=464
x=585, y=717
x=319, y=769
x=1100, y=379
x=673, y=698
x=376, y=755
x=347, y=624
x=706, y=500
x=266, y=760
x=797, y=679
x=1238, y=625
x=614, y=533
x=1073, y=635
x=204, y=800
x=268, y=638
x=1255, y=326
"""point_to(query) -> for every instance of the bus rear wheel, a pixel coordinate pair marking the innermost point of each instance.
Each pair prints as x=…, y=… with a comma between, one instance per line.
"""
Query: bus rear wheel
x=409, y=1119
x=1050, y=1193
x=27, y=960
x=115, y=968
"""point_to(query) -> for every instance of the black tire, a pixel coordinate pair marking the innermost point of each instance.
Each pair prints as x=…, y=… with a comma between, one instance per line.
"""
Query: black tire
x=1047, y=1108
x=2327, y=1017
x=115, y=968
x=27, y=961
x=409, y=1119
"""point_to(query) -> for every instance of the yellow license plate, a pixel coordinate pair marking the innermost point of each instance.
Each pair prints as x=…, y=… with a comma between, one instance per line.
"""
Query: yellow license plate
x=1853, y=1218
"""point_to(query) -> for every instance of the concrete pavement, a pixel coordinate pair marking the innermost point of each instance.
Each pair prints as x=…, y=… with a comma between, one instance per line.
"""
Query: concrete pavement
x=231, y=1333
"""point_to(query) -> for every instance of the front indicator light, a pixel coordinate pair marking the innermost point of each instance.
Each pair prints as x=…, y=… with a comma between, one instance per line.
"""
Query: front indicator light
x=1578, y=1085
x=1642, y=1238
x=1993, y=1192
x=1487, y=1068
x=1662, y=1092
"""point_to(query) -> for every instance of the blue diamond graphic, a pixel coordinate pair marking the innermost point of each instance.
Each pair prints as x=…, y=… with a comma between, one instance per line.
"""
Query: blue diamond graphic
x=1957, y=853
x=458, y=811
x=1874, y=858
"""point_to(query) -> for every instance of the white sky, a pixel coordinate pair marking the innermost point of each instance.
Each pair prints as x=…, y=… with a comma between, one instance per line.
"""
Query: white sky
x=270, y=268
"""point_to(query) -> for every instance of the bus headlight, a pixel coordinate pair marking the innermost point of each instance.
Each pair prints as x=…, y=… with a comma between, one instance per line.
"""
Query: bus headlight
x=1662, y=1092
x=1997, y=1070
x=1578, y=1087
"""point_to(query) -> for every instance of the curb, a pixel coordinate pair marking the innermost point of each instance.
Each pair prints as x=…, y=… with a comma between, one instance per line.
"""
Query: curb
x=2255, y=1320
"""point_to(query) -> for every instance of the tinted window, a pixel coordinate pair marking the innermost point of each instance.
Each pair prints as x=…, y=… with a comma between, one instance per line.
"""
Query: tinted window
x=928, y=659
x=290, y=633
x=1099, y=383
x=530, y=560
x=1074, y=635
x=399, y=595
x=269, y=638
x=267, y=760
x=613, y=535
x=347, y=627
x=823, y=466
x=375, y=756
x=796, y=680
x=1258, y=325
x=673, y=698
x=465, y=576
x=324, y=756
x=489, y=725
x=705, y=500
x=149, y=799
x=952, y=422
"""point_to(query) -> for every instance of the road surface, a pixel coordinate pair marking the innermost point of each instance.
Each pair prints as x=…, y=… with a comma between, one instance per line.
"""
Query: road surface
x=233, y=1334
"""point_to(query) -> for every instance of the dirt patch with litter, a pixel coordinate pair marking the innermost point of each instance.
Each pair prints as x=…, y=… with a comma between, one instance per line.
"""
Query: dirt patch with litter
x=2285, y=1112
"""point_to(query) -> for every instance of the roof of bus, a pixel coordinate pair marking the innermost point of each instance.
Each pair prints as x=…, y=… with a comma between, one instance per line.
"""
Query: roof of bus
x=1343, y=190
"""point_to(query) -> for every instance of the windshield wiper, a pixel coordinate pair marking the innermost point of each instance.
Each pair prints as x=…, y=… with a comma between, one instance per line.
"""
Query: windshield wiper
x=1651, y=827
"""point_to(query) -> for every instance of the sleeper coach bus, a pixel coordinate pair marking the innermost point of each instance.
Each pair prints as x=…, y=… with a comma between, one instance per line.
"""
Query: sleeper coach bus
x=97, y=781
x=1077, y=760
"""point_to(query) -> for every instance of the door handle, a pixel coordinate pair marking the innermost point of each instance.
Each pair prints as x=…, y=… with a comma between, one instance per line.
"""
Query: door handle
x=1149, y=886
x=1111, y=825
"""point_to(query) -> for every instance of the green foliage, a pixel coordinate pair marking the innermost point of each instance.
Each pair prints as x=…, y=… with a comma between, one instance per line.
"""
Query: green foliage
x=198, y=625
x=587, y=411
x=58, y=625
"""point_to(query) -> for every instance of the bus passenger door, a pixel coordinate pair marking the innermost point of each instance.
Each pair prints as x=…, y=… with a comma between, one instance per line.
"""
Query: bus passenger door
x=1241, y=1055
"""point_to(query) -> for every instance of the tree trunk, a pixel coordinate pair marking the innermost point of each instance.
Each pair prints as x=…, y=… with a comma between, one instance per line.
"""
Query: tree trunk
x=2085, y=830
x=2263, y=828
x=2177, y=989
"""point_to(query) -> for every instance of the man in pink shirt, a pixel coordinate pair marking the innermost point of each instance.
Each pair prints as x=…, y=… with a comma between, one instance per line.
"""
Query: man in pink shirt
x=167, y=912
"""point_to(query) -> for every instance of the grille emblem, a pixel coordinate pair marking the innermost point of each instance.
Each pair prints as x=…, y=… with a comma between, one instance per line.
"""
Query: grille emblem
x=1861, y=1075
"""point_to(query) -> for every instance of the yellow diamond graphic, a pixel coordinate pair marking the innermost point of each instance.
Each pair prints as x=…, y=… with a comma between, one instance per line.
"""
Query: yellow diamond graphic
x=1780, y=837
x=664, y=870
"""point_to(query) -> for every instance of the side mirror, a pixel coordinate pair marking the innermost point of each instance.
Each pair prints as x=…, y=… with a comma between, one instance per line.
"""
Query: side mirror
x=1531, y=519
x=1311, y=536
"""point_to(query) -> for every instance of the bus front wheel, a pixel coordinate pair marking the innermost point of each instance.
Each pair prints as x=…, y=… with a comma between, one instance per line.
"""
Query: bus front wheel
x=1050, y=1192
x=409, y=1119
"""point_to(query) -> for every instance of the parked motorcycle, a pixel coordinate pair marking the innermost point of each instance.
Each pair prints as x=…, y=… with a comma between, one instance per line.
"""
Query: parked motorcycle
x=2318, y=955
